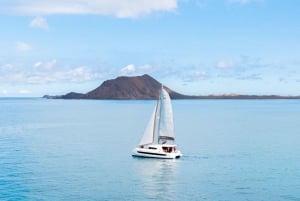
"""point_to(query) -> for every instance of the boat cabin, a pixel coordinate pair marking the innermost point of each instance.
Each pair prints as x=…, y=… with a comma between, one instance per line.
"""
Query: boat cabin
x=167, y=148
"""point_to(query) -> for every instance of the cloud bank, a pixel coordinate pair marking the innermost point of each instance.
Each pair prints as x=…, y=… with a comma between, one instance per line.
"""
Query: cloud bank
x=118, y=8
x=47, y=72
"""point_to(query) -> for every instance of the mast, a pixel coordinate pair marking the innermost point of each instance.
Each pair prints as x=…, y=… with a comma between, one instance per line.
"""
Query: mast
x=159, y=105
x=154, y=123
x=159, y=101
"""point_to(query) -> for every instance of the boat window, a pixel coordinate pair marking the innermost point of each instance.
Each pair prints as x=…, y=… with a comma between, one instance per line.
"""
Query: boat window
x=152, y=148
x=167, y=149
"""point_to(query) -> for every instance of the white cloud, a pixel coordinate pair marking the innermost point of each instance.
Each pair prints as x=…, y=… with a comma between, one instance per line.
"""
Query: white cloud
x=48, y=65
x=22, y=46
x=225, y=64
x=128, y=70
x=39, y=22
x=118, y=8
x=132, y=69
x=37, y=64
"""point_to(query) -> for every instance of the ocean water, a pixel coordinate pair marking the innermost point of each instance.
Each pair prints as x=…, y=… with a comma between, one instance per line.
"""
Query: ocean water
x=81, y=150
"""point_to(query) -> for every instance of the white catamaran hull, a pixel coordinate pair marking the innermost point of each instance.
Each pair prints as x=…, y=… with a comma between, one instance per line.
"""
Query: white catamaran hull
x=151, y=152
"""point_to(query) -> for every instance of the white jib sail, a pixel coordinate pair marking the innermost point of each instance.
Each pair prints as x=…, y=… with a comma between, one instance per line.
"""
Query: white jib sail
x=148, y=136
x=166, y=125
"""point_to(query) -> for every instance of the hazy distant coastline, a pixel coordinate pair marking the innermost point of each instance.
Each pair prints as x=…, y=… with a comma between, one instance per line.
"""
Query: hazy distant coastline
x=147, y=88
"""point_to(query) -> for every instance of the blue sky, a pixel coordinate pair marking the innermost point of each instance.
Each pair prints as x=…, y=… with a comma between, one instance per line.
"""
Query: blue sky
x=193, y=46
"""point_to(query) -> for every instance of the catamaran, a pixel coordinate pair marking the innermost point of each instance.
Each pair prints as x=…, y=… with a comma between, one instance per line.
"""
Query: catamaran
x=158, y=139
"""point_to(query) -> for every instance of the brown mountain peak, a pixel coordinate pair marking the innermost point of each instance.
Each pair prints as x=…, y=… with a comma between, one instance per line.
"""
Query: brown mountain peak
x=138, y=87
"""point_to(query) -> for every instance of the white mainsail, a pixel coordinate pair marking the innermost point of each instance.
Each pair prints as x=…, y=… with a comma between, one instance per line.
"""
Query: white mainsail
x=164, y=119
x=148, y=136
x=166, y=125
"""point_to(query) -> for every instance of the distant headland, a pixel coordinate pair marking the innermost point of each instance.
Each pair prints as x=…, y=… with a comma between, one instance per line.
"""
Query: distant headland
x=146, y=87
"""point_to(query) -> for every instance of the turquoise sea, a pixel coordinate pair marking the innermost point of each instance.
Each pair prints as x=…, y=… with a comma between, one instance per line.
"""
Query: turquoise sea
x=234, y=150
